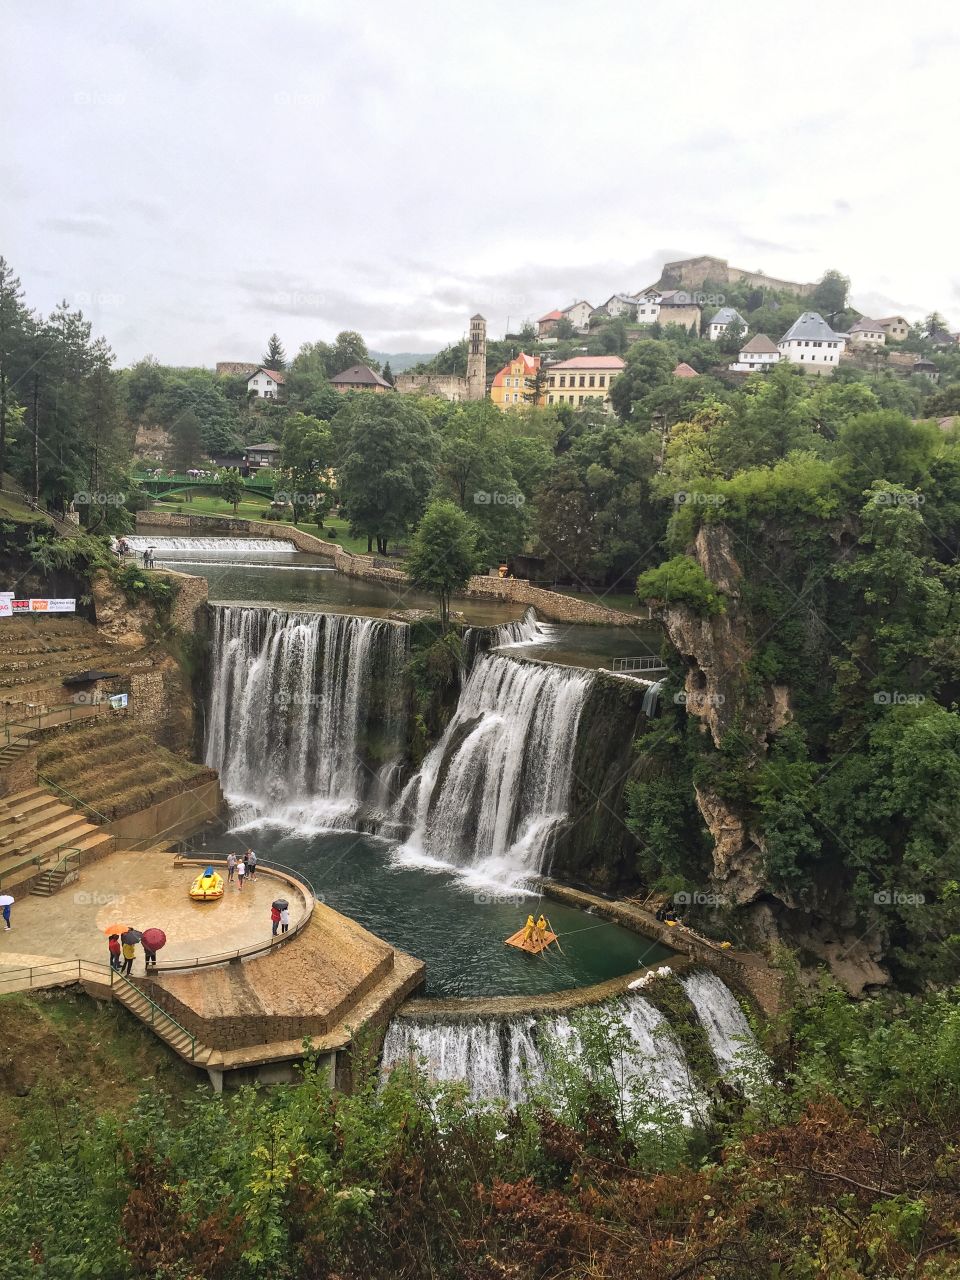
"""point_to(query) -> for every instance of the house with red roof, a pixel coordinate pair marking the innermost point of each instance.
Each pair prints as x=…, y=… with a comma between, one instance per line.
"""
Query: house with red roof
x=683, y=370
x=266, y=384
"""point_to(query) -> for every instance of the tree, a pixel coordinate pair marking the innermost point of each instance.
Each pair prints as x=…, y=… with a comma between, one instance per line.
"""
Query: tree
x=187, y=440
x=276, y=357
x=349, y=349
x=830, y=295
x=306, y=457
x=386, y=449
x=649, y=365
x=12, y=316
x=388, y=373
x=232, y=487
x=563, y=329
x=443, y=553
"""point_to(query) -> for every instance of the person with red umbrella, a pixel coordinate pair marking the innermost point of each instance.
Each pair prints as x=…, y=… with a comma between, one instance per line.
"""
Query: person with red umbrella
x=152, y=941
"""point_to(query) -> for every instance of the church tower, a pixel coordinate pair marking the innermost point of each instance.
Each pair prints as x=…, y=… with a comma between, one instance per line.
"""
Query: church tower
x=477, y=359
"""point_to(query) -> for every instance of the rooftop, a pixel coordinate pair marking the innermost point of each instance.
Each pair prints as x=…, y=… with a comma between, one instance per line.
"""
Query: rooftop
x=590, y=362
x=360, y=375
x=275, y=374
x=729, y=315
x=760, y=343
x=683, y=370
x=811, y=325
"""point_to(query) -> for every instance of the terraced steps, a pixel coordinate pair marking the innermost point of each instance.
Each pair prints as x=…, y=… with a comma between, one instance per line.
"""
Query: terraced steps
x=35, y=827
x=39, y=652
x=108, y=765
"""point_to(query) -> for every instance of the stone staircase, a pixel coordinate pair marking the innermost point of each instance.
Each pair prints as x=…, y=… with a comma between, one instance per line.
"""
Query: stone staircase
x=161, y=1024
x=37, y=828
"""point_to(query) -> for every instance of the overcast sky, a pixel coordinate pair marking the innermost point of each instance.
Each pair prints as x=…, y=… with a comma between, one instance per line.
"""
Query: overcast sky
x=196, y=175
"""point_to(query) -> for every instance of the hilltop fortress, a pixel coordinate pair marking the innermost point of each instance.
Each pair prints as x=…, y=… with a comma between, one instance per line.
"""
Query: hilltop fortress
x=693, y=273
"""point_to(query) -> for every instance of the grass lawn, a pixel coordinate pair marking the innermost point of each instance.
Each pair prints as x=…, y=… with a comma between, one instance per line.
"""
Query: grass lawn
x=253, y=509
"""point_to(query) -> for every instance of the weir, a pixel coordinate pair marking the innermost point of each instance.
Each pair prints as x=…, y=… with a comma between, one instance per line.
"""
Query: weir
x=510, y=1058
x=164, y=547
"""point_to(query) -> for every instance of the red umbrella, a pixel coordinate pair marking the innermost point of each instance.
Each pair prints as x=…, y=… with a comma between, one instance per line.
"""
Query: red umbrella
x=153, y=939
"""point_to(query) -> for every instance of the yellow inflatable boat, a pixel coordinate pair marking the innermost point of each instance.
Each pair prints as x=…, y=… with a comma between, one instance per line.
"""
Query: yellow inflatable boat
x=207, y=887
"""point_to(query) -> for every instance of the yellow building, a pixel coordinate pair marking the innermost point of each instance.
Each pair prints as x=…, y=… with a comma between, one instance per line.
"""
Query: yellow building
x=583, y=380
x=515, y=384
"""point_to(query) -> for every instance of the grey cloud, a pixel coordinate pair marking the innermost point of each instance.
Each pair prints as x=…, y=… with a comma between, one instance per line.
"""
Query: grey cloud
x=79, y=224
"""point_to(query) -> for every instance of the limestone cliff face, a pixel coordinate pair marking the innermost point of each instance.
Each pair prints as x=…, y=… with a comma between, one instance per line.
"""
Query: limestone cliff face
x=720, y=694
x=132, y=626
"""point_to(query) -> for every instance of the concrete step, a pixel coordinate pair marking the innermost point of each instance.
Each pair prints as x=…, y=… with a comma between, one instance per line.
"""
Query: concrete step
x=178, y=1040
x=56, y=830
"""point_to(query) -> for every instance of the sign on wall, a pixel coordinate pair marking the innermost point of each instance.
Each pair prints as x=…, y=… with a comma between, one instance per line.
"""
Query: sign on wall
x=37, y=604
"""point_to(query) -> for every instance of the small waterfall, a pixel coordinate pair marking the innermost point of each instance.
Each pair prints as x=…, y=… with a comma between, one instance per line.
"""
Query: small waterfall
x=495, y=788
x=509, y=1058
x=527, y=630
x=727, y=1029
x=164, y=547
x=307, y=711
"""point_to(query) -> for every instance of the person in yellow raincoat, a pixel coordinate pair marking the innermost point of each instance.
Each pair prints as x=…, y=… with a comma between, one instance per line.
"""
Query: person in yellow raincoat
x=529, y=929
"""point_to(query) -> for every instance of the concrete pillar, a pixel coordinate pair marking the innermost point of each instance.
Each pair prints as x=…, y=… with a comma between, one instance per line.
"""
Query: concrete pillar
x=216, y=1079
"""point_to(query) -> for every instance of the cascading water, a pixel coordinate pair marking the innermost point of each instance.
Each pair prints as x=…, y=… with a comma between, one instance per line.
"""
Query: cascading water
x=291, y=727
x=527, y=630
x=165, y=548
x=508, y=1058
x=495, y=788
x=727, y=1029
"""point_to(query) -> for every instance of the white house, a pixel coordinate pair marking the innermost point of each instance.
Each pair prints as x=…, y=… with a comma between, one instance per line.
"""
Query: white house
x=579, y=313
x=266, y=383
x=725, y=317
x=757, y=354
x=620, y=304
x=867, y=333
x=648, y=306
x=811, y=342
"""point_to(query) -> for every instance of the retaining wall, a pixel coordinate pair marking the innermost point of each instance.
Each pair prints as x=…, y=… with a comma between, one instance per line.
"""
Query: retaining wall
x=172, y=818
x=551, y=605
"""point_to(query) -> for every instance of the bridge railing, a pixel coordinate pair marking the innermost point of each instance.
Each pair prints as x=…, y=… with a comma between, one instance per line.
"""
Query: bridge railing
x=649, y=662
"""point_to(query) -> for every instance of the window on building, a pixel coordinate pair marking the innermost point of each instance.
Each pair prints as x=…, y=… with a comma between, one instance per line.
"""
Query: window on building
x=563, y=380
x=553, y=381
x=579, y=399
x=592, y=380
x=583, y=380
x=549, y=399
x=603, y=380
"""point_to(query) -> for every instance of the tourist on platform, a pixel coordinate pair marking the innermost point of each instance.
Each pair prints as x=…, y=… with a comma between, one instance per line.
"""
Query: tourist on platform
x=241, y=873
x=129, y=951
x=284, y=919
x=251, y=863
x=113, y=944
x=231, y=867
x=6, y=916
x=149, y=957
x=275, y=919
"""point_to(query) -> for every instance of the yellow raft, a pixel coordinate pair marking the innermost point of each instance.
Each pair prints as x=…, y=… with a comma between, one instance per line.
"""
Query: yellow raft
x=207, y=887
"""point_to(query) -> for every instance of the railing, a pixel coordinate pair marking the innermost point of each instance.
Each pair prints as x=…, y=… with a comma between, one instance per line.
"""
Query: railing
x=49, y=782
x=38, y=859
x=65, y=972
x=70, y=859
x=68, y=711
x=257, y=948
x=647, y=663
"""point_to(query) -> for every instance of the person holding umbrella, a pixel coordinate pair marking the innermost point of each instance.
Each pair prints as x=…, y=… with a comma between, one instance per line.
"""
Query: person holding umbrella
x=6, y=902
x=113, y=946
x=129, y=941
x=151, y=941
x=277, y=909
x=275, y=918
x=284, y=918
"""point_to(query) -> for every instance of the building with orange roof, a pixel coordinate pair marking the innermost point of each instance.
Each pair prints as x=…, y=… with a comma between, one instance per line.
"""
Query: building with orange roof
x=683, y=370
x=515, y=384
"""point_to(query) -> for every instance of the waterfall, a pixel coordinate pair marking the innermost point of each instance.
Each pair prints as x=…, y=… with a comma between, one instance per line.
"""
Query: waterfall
x=495, y=788
x=527, y=630
x=164, y=547
x=509, y=1058
x=307, y=713
x=727, y=1029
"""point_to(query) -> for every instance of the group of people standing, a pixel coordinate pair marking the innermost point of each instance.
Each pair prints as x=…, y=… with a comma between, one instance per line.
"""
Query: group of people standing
x=239, y=868
x=123, y=954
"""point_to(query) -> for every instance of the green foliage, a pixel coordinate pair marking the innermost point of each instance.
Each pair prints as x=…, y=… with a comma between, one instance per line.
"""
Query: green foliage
x=443, y=553
x=231, y=487
x=680, y=581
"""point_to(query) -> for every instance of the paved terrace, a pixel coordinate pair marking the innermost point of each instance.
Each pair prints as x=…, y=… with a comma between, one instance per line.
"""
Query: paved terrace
x=144, y=890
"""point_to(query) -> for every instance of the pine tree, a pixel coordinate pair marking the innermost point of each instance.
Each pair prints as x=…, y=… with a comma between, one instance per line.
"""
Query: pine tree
x=388, y=373
x=276, y=357
x=12, y=316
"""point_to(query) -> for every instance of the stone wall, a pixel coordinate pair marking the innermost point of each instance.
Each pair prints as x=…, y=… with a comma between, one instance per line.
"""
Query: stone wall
x=551, y=605
x=174, y=817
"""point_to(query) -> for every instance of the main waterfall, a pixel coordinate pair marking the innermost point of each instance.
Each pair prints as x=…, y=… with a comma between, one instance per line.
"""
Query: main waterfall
x=307, y=713
x=495, y=788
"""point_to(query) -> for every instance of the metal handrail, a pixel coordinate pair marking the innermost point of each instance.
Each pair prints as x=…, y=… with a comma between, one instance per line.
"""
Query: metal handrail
x=257, y=948
x=155, y=1009
x=74, y=710
x=647, y=663
x=49, y=782
x=7, y=974
x=36, y=858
